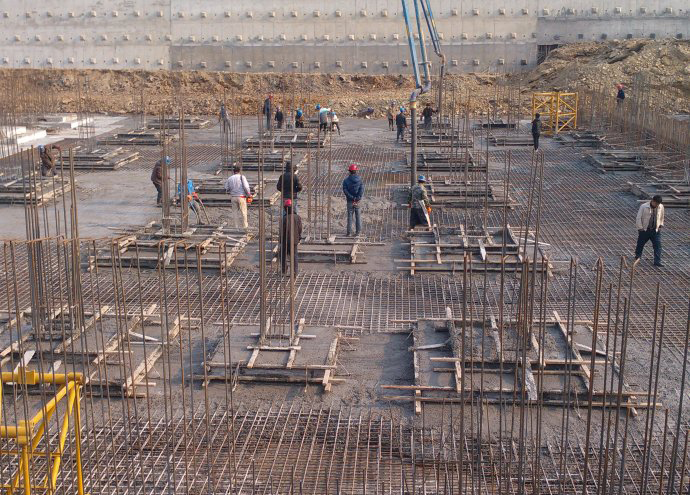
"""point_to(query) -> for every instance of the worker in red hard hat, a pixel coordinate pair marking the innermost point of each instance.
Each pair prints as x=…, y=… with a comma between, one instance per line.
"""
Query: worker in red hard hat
x=353, y=188
x=290, y=235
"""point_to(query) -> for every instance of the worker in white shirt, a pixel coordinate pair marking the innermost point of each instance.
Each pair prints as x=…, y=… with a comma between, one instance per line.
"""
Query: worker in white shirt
x=238, y=188
x=650, y=219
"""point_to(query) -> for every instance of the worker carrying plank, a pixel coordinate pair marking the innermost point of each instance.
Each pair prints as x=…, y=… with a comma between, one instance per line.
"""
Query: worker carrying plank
x=240, y=195
x=419, y=204
x=48, y=159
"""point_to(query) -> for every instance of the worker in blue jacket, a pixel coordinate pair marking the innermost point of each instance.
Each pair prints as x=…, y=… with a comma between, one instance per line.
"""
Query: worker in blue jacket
x=192, y=198
x=353, y=188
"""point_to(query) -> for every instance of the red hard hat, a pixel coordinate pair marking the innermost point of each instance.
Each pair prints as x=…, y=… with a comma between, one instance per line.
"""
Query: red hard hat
x=353, y=167
x=288, y=203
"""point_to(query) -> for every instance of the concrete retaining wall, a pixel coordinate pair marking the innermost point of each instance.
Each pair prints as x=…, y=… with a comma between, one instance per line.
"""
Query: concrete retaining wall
x=311, y=35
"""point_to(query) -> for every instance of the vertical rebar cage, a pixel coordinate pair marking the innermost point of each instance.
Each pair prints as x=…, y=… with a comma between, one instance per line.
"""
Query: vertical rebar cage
x=558, y=111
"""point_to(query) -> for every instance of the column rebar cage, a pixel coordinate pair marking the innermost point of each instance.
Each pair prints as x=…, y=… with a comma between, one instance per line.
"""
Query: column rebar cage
x=558, y=111
x=37, y=469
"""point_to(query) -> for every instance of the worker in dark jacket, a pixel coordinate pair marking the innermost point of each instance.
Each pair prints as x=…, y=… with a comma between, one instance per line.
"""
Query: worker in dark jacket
x=620, y=95
x=157, y=178
x=279, y=118
x=536, y=130
x=420, y=207
x=290, y=235
x=427, y=115
x=48, y=159
x=268, y=110
x=401, y=123
x=289, y=185
x=353, y=188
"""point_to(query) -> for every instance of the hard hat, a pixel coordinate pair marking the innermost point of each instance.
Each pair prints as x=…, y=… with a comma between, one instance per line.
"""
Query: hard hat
x=421, y=178
x=402, y=109
x=288, y=203
x=619, y=86
x=353, y=168
x=318, y=107
x=168, y=160
x=41, y=148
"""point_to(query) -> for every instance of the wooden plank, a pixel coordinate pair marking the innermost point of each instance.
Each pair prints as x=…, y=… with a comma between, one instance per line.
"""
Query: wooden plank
x=577, y=356
x=115, y=341
x=141, y=370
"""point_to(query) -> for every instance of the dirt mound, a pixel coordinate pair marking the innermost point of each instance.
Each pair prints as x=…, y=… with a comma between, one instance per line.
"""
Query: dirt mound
x=665, y=63
x=200, y=92
x=661, y=66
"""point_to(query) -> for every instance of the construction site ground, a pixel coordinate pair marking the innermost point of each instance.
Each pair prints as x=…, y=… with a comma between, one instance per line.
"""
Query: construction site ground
x=585, y=216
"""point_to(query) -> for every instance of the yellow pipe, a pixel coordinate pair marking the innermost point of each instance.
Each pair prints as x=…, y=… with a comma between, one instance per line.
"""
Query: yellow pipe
x=31, y=377
x=52, y=404
x=25, y=466
x=77, y=442
x=63, y=436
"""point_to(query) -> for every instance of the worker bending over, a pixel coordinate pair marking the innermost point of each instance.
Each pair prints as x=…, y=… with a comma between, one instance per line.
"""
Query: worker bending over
x=279, y=118
x=299, y=119
x=290, y=235
x=335, y=122
x=420, y=207
x=48, y=159
x=323, y=117
x=192, y=199
x=650, y=219
x=353, y=188
x=240, y=195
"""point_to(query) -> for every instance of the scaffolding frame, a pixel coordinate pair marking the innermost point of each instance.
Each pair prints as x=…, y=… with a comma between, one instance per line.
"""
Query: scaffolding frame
x=28, y=433
x=558, y=111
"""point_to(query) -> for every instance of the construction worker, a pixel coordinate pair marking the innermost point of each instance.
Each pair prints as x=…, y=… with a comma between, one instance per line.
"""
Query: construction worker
x=157, y=178
x=240, y=195
x=48, y=159
x=650, y=219
x=427, y=115
x=620, y=95
x=353, y=188
x=419, y=204
x=290, y=235
x=192, y=199
x=335, y=122
x=268, y=110
x=279, y=118
x=299, y=119
x=401, y=123
x=289, y=185
x=323, y=118
x=536, y=130
x=391, y=118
